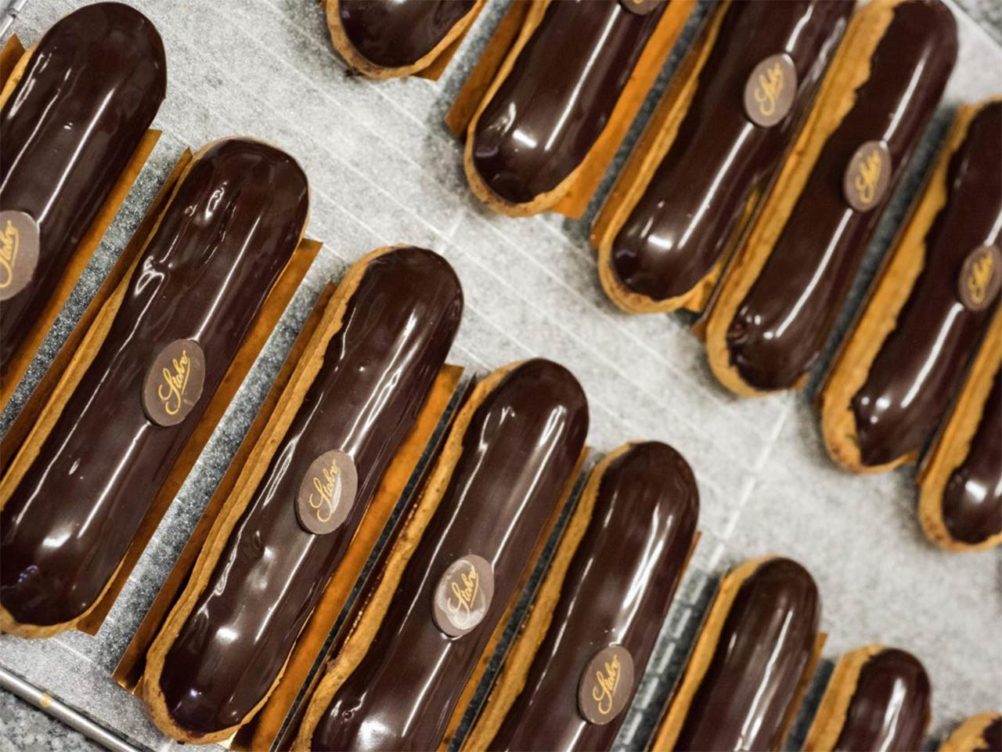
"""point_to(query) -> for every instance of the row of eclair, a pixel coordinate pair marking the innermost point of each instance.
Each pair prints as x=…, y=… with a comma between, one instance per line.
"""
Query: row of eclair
x=305, y=508
x=266, y=595
x=752, y=197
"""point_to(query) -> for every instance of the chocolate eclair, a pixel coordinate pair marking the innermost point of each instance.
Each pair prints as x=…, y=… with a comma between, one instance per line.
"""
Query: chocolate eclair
x=571, y=83
x=420, y=644
x=303, y=494
x=88, y=474
x=979, y=733
x=711, y=150
x=960, y=482
x=782, y=294
x=395, y=38
x=73, y=114
x=569, y=678
x=878, y=698
x=746, y=674
x=903, y=364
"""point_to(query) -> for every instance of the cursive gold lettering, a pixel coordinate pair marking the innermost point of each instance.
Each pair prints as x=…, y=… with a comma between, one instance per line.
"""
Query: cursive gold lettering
x=323, y=501
x=175, y=380
x=465, y=592
x=9, y=243
x=768, y=89
x=606, y=684
x=980, y=277
x=868, y=176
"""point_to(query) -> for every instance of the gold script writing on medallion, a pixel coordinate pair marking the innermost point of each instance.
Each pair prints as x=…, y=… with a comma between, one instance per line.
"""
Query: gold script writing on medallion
x=768, y=89
x=9, y=244
x=868, y=176
x=463, y=595
x=326, y=492
x=606, y=684
x=175, y=380
x=979, y=278
x=464, y=592
x=323, y=500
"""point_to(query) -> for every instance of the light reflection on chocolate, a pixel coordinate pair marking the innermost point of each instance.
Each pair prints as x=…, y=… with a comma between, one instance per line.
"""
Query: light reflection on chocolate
x=972, y=499
x=679, y=226
x=519, y=452
x=223, y=240
x=781, y=325
x=763, y=650
x=70, y=126
x=558, y=96
x=377, y=372
x=890, y=705
x=617, y=591
x=921, y=364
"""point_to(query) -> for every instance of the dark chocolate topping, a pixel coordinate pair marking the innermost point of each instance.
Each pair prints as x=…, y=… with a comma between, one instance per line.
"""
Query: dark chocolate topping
x=719, y=159
x=617, y=590
x=557, y=98
x=781, y=325
x=890, y=706
x=921, y=365
x=377, y=373
x=764, y=648
x=518, y=454
x=222, y=242
x=398, y=33
x=90, y=90
x=972, y=499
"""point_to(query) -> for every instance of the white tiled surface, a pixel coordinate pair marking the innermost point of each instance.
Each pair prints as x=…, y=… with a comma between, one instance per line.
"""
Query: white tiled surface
x=383, y=170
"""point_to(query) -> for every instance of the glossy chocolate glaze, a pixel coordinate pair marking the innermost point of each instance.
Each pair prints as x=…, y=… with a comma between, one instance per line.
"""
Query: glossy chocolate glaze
x=88, y=94
x=764, y=648
x=618, y=587
x=972, y=499
x=890, y=706
x=921, y=365
x=558, y=96
x=378, y=370
x=222, y=242
x=518, y=454
x=781, y=325
x=719, y=159
x=397, y=33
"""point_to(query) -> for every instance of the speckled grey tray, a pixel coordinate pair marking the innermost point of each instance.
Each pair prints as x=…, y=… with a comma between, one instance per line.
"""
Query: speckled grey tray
x=383, y=170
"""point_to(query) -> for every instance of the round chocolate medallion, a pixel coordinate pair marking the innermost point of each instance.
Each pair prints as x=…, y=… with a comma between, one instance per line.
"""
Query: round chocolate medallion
x=327, y=492
x=463, y=595
x=173, y=382
x=19, y=240
x=980, y=277
x=606, y=685
x=867, y=176
x=641, y=7
x=770, y=89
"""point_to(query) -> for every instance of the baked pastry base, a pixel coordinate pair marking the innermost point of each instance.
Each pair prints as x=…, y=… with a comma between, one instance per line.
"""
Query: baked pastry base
x=969, y=735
